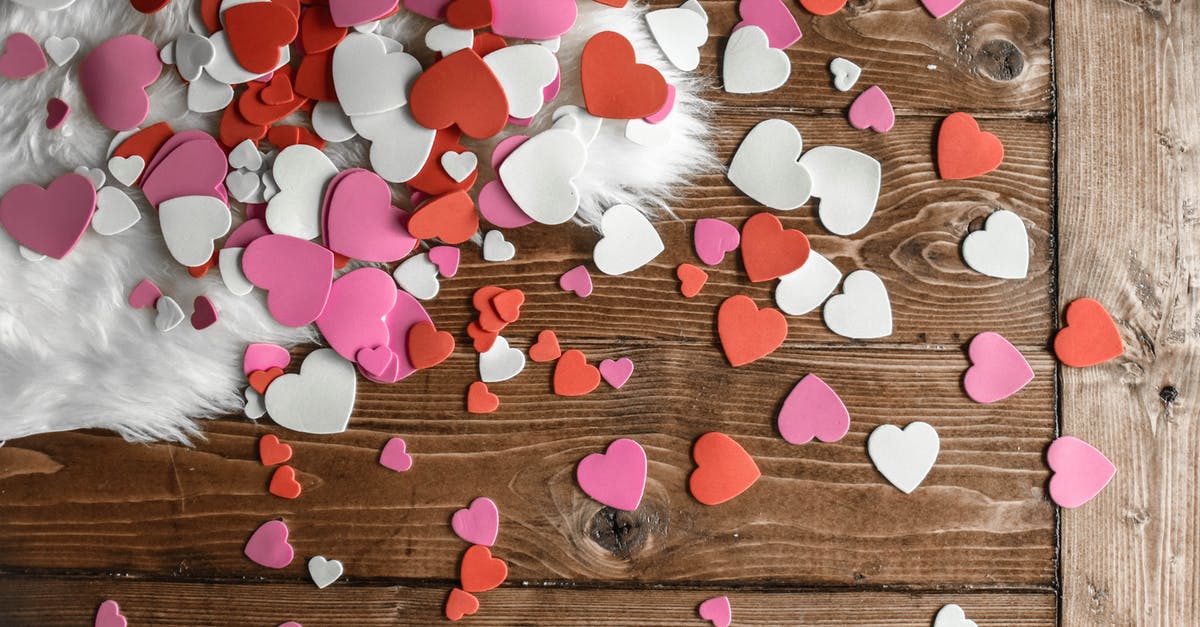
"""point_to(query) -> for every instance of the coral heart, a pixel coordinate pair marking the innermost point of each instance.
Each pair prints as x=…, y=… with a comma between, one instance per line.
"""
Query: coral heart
x=257, y=31
x=1090, y=337
x=451, y=218
x=271, y=451
x=353, y=316
x=717, y=611
x=691, y=279
x=1080, y=471
x=964, y=151
x=770, y=251
x=546, y=348
x=480, y=400
x=482, y=340
x=114, y=77
x=574, y=376
x=713, y=238
x=109, y=615
x=262, y=379
x=297, y=274
x=998, y=369
x=428, y=347
x=824, y=7
x=49, y=221
x=616, y=477
x=433, y=179
x=318, y=31
x=479, y=571
x=615, y=85
x=284, y=484
x=314, y=77
x=461, y=603
x=723, y=469
x=269, y=547
x=489, y=318
x=279, y=90
x=748, y=334
x=508, y=304
x=395, y=456
x=460, y=90
x=22, y=57
x=479, y=523
x=469, y=14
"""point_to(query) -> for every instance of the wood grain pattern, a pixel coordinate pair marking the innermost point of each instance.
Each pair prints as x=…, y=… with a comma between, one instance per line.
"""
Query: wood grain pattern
x=1132, y=556
x=69, y=603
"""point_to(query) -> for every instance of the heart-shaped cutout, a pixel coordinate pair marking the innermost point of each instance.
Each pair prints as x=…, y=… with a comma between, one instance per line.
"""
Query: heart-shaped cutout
x=1090, y=337
x=269, y=547
x=478, y=523
x=319, y=399
x=114, y=77
x=109, y=615
x=461, y=90
x=629, y=241
x=904, y=457
x=297, y=274
x=479, y=571
x=49, y=221
x=261, y=380
x=577, y=280
x=717, y=611
x=1080, y=471
x=615, y=85
x=271, y=451
x=872, y=110
x=713, y=238
x=813, y=410
x=353, y=316
x=691, y=279
x=22, y=57
x=546, y=347
x=395, y=456
x=428, y=347
x=284, y=484
x=748, y=334
x=461, y=603
x=257, y=31
x=1001, y=248
x=847, y=182
x=774, y=18
x=723, y=469
x=751, y=65
x=480, y=400
x=324, y=572
x=998, y=370
x=770, y=251
x=766, y=166
x=191, y=225
x=862, y=310
x=574, y=376
x=451, y=218
x=964, y=151
x=616, y=371
x=616, y=477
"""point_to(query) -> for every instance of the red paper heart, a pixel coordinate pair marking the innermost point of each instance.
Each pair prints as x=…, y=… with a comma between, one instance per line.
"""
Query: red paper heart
x=615, y=85
x=278, y=91
x=691, y=279
x=823, y=7
x=1090, y=337
x=428, y=347
x=257, y=31
x=314, y=77
x=286, y=135
x=489, y=318
x=469, y=14
x=318, y=33
x=483, y=340
x=262, y=379
x=433, y=178
x=769, y=251
x=964, y=151
x=574, y=376
x=284, y=484
x=546, y=348
x=235, y=129
x=271, y=451
x=256, y=110
x=461, y=603
x=480, y=400
x=723, y=469
x=460, y=90
x=479, y=571
x=748, y=334
x=508, y=305
x=450, y=217
x=148, y=6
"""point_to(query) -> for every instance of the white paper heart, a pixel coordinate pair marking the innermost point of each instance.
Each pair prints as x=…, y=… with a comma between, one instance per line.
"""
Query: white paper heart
x=496, y=248
x=126, y=170
x=1001, y=248
x=766, y=166
x=170, y=314
x=190, y=226
x=646, y=134
x=60, y=49
x=804, y=289
x=847, y=182
x=524, y=71
x=952, y=616
x=225, y=68
x=845, y=73
x=245, y=186
x=95, y=175
x=500, y=362
x=246, y=156
x=447, y=40
x=317, y=400
x=190, y=54
x=751, y=65
x=206, y=94
x=324, y=572
x=540, y=175
x=255, y=406
x=301, y=172
x=862, y=310
x=331, y=123
x=459, y=165
x=399, y=146
x=368, y=79
x=904, y=457
x=680, y=33
x=629, y=241
x=229, y=260
x=418, y=276
x=115, y=212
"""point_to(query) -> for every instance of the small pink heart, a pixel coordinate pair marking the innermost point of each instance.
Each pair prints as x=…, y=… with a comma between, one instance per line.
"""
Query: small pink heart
x=577, y=280
x=145, y=295
x=446, y=259
x=394, y=456
x=479, y=523
x=813, y=410
x=353, y=316
x=666, y=109
x=204, y=313
x=109, y=615
x=57, y=111
x=352, y=12
x=297, y=274
x=998, y=369
x=263, y=356
x=616, y=372
x=22, y=57
x=617, y=477
x=114, y=77
x=50, y=221
x=269, y=547
x=407, y=312
x=375, y=361
x=361, y=222
x=713, y=238
x=522, y=19
x=940, y=8
x=1080, y=471
x=717, y=611
x=497, y=206
x=774, y=18
x=872, y=109
x=195, y=168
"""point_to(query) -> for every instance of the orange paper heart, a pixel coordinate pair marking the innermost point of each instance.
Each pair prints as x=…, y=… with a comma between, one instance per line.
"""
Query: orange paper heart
x=1090, y=337
x=479, y=571
x=964, y=151
x=461, y=603
x=460, y=90
x=508, y=305
x=451, y=218
x=823, y=7
x=615, y=85
x=469, y=14
x=284, y=484
x=748, y=334
x=256, y=33
x=723, y=469
x=428, y=347
x=261, y=379
x=574, y=376
x=271, y=451
x=546, y=348
x=489, y=319
x=691, y=279
x=770, y=251
x=482, y=340
x=480, y=400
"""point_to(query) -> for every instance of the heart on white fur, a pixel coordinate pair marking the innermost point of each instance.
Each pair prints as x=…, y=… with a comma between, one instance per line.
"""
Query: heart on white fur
x=496, y=248
x=905, y=457
x=170, y=314
x=577, y=120
x=804, y=289
x=317, y=400
x=447, y=40
x=115, y=212
x=331, y=123
x=246, y=156
x=245, y=186
x=225, y=67
x=399, y=146
x=862, y=310
x=324, y=571
x=500, y=362
x=126, y=170
x=646, y=134
x=95, y=175
x=191, y=225
x=206, y=94
x=60, y=50
x=459, y=165
x=680, y=33
x=524, y=71
x=629, y=241
x=418, y=276
x=1001, y=248
x=751, y=65
x=301, y=172
x=952, y=616
x=190, y=53
x=766, y=166
x=229, y=260
x=368, y=79
x=540, y=175
x=847, y=182
x=845, y=73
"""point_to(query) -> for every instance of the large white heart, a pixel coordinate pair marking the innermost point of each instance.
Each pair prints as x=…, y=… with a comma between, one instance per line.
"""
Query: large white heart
x=418, y=276
x=500, y=362
x=540, y=175
x=751, y=65
x=952, y=616
x=115, y=212
x=399, y=145
x=331, y=123
x=903, y=457
x=301, y=172
x=1001, y=248
x=368, y=79
x=496, y=248
x=317, y=400
x=680, y=33
x=766, y=166
x=524, y=71
x=190, y=226
x=862, y=310
x=847, y=182
x=629, y=241
x=804, y=289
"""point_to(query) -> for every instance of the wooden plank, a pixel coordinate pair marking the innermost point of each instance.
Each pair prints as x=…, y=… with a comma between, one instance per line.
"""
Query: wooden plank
x=61, y=602
x=820, y=515
x=1128, y=195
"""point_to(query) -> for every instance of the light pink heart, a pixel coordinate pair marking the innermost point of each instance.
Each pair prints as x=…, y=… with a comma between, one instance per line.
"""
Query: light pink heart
x=22, y=57
x=395, y=456
x=109, y=615
x=114, y=77
x=362, y=223
x=377, y=361
x=479, y=523
x=616, y=372
x=998, y=369
x=550, y=92
x=941, y=8
x=353, y=12
x=813, y=410
x=713, y=238
x=617, y=477
x=297, y=274
x=1080, y=471
x=263, y=356
x=173, y=142
x=57, y=111
x=577, y=280
x=196, y=168
x=269, y=545
x=204, y=313
x=522, y=19
x=353, y=316
x=145, y=295
x=407, y=312
x=446, y=259
x=249, y=231
x=658, y=116
x=499, y=208
x=50, y=221
x=774, y=18
x=717, y=611
x=435, y=9
x=872, y=109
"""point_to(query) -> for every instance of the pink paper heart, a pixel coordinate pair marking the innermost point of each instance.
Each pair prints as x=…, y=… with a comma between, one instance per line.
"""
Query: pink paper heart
x=173, y=142
x=774, y=18
x=196, y=168
x=353, y=12
x=940, y=8
x=1080, y=471
x=145, y=295
x=264, y=357
x=57, y=111
x=361, y=222
x=376, y=360
x=522, y=19
x=577, y=280
x=114, y=77
x=998, y=369
x=617, y=477
x=109, y=615
x=479, y=523
x=249, y=231
x=499, y=208
x=446, y=259
x=713, y=238
x=269, y=545
x=394, y=456
x=813, y=410
x=22, y=57
x=50, y=221
x=204, y=313
x=256, y=211
x=506, y=148
x=297, y=274
x=616, y=372
x=872, y=109
x=399, y=321
x=353, y=316
x=717, y=611
x=666, y=109
x=550, y=92
x=435, y=9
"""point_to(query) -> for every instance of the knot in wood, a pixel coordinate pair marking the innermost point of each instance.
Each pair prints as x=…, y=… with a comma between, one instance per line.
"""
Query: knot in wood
x=858, y=7
x=1001, y=60
x=618, y=532
x=1168, y=394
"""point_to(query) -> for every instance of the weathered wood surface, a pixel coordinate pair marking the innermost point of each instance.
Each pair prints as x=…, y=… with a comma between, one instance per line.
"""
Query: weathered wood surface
x=1129, y=190
x=69, y=603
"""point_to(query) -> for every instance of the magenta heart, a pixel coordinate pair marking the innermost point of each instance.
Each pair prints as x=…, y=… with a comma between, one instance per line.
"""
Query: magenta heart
x=145, y=295
x=353, y=316
x=22, y=57
x=361, y=222
x=616, y=372
x=297, y=274
x=522, y=19
x=940, y=8
x=395, y=457
x=717, y=611
x=446, y=259
x=195, y=168
x=1080, y=471
x=713, y=238
x=173, y=142
x=114, y=77
x=57, y=111
x=479, y=523
x=264, y=357
x=407, y=312
x=348, y=13
x=269, y=545
x=109, y=615
x=249, y=231
x=998, y=369
x=774, y=18
x=577, y=280
x=497, y=206
x=50, y=221
x=377, y=361
x=617, y=477
x=813, y=410
x=872, y=109
x=204, y=313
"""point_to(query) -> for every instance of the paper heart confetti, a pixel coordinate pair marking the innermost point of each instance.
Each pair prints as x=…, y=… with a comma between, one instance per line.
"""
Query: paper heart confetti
x=114, y=77
x=271, y=451
x=804, y=289
x=964, y=151
x=577, y=280
x=269, y=547
x=428, y=347
x=872, y=110
x=680, y=33
x=324, y=572
x=766, y=166
x=50, y=221
x=615, y=85
x=1090, y=336
x=109, y=615
x=519, y=19
x=204, y=313
x=573, y=376
x=284, y=484
x=774, y=18
x=747, y=333
x=617, y=477
x=751, y=65
x=1001, y=248
x=691, y=279
x=847, y=182
x=461, y=603
x=717, y=611
x=1080, y=471
x=616, y=371
x=480, y=400
x=262, y=356
x=496, y=248
x=478, y=523
x=862, y=310
x=297, y=274
x=813, y=410
x=904, y=457
x=770, y=251
x=319, y=399
x=500, y=362
x=144, y=295
x=998, y=370
x=524, y=72
x=22, y=57
x=191, y=225
x=479, y=571
x=713, y=238
x=461, y=90
x=630, y=241
x=540, y=175
x=845, y=72
x=940, y=9
x=723, y=469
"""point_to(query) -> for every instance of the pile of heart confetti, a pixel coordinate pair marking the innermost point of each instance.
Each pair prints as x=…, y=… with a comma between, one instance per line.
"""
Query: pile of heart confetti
x=314, y=236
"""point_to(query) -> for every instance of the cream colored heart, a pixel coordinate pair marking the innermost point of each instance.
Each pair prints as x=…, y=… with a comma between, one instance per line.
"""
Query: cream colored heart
x=496, y=248
x=804, y=289
x=847, y=182
x=680, y=33
x=126, y=170
x=500, y=362
x=540, y=175
x=1001, y=248
x=459, y=165
x=319, y=399
x=206, y=94
x=115, y=212
x=246, y=156
x=61, y=49
x=418, y=276
x=170, y=314
x=845, y=73
x=524, y=71
x=368, y=79
x=629, y=241
x=862, y=310
x=324, y=571
x=245, y=186
x=301, y=172
x=191, y=225
x=952, y=616
x=905, y=457
x=766, y=166
x=751, y=65
x=191, y=53
x=331, y=123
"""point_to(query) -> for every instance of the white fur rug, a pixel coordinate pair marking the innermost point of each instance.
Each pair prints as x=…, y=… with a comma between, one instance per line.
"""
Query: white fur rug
x=74, y=355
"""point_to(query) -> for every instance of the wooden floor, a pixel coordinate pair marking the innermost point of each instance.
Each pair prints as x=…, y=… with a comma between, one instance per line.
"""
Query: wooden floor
x=1102, y=168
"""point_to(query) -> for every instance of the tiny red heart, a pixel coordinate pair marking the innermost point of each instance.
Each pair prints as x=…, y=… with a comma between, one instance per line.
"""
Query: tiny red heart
x=748, y=334
x=964, y=151
x=284, y=484
x=546, y=348
x=723, y=469
x=480, y=400
x=770, y=251
x=261, y=379
x=461, y=603
x=271, y=451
